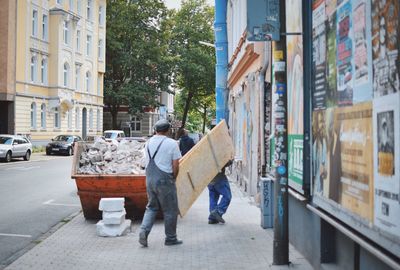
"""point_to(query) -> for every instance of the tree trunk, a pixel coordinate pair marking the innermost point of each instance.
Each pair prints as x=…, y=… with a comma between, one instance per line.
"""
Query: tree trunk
x=204, y=118
x=186, y=110
x=114, y=116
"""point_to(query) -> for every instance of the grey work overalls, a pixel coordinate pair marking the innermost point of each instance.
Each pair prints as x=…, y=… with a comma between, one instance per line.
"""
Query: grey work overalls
x=161, y=193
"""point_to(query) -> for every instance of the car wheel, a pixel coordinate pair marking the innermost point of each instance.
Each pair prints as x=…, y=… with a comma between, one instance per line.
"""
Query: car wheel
x=8, y=157
x=70, y=151
x=27, y=155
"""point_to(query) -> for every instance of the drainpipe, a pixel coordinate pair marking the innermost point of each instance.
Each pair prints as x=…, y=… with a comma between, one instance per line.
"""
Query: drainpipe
x=221, y=67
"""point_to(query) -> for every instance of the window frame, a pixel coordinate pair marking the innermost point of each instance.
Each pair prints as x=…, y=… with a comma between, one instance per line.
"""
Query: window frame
x=33, y=115
x=43, y=116
x=35, y=22
x=45, y=27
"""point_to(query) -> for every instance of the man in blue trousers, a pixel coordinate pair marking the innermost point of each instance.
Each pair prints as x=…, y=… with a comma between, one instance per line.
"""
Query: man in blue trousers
x=220, y=197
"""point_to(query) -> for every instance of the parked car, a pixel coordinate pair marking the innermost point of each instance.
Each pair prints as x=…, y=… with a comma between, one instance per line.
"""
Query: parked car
x=113, y=135
x=62, y=144
x=12, y=146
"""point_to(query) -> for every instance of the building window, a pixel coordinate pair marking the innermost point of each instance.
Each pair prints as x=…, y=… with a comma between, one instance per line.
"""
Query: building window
x=79, y=7
x=88, y=78
x=77, y=118
x=43, y=115
x=33, y=115
x=43, y=70
x=98, y=120
x=78, y=40
x=100, y=49
x=89, y=10
x=69, y=119
x=45, y=28
x=34, y=23
x=136, y=124
x=59, y=2
x=101, y=15
x=77, y=76
x=33, y=69
x=99, y=83
x=71, y=5
x=90, y=119
x=66, y=32
x=56, y=118
x=88, y=45
x=66, y=75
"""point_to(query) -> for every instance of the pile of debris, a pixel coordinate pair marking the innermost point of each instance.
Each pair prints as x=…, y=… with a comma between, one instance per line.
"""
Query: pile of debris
x=102, y=157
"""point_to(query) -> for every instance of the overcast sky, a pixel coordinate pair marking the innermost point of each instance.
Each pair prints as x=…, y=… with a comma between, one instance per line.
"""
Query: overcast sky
x=177, y=3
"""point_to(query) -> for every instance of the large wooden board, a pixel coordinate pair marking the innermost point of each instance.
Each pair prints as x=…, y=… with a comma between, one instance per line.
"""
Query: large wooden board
x=201, y=164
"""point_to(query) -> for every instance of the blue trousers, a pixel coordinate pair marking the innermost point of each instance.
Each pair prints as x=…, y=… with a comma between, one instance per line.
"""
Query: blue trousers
x=220, y=195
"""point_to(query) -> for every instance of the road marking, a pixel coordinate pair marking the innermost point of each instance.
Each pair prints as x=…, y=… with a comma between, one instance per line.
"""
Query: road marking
x=16, y=235
x=22, y=168
x=50, y=202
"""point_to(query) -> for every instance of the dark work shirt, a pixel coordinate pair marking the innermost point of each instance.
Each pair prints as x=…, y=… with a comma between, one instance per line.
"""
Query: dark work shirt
x=185, y=144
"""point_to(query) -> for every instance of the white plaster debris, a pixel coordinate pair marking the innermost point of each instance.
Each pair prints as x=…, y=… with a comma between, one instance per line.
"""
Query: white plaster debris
x=112, y=204
x=112, y=218
x=109, y=158
x=107, y=230
x=113, y=223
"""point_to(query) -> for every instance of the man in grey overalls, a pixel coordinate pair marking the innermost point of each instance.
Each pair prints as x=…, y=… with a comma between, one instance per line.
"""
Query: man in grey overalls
x=162, y=156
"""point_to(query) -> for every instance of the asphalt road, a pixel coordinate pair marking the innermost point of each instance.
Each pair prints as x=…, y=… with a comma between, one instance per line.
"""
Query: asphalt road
x=34, y=197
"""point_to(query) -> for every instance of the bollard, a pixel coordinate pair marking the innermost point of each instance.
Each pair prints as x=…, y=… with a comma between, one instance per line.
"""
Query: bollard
x=266, y=205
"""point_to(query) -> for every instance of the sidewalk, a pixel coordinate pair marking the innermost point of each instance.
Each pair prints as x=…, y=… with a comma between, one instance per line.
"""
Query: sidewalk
x=239, y=244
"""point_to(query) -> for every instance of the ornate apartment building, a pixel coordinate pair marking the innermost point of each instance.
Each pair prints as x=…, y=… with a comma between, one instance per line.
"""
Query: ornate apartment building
x=52, y=67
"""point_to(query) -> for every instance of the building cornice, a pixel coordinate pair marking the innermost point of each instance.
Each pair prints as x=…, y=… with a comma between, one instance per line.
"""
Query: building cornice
x=244, y=63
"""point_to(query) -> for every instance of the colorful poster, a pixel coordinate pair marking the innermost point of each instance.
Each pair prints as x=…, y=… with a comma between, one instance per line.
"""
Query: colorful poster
x=319, y=55
x=331, y=53
x=387, y=162
x=295, y=110
x=362, y=51
x=385, y=46
x=356, y=158
x=344, y=55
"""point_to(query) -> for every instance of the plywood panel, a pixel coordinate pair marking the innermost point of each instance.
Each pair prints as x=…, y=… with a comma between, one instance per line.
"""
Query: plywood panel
x=201, y=164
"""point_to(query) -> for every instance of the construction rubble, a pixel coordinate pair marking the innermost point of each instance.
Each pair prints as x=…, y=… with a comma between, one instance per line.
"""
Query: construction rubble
x=102, y=157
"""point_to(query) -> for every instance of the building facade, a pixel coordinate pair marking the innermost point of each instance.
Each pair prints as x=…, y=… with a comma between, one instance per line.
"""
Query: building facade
x=59, y=67
x=141, y=124
x=341, y=117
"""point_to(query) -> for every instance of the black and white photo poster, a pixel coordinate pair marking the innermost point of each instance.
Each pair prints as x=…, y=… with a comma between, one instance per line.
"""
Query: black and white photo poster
x=386, y=121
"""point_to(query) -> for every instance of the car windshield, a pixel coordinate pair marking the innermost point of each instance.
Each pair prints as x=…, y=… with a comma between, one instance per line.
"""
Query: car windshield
x=63, y=138
x=6, y=140
x=110, y=135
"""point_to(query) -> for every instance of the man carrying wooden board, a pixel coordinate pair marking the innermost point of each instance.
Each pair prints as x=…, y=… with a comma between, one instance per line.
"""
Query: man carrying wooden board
x=162, y=159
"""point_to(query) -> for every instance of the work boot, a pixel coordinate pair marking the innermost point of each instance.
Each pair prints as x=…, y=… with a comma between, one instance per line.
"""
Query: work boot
x=217, y=216
x=173, y=242
x=212, y=221
x=143, y=238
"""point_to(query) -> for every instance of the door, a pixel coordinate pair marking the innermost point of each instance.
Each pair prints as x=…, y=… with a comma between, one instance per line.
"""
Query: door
x=84, y=123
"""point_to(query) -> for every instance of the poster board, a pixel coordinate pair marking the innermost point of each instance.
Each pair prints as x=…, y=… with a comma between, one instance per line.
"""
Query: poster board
x=201, y=164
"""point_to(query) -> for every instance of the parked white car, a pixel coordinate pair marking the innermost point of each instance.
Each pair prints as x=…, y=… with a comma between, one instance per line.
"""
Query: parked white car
x=113, y=135
x=12, y=146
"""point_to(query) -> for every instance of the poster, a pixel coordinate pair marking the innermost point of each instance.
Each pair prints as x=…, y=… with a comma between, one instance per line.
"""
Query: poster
x=319, y=55
x=344, y=55
x=319, y=152
x=295, y=94
x=356, y=158
x=386, y=163
x=362, y=51
x=331, y=93
x=385, y=46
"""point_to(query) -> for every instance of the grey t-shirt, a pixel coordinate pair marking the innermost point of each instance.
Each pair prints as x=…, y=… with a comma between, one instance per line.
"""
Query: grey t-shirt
x=168, y=151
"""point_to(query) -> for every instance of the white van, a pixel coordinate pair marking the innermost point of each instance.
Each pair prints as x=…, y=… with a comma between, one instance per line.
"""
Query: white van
x=113, y=135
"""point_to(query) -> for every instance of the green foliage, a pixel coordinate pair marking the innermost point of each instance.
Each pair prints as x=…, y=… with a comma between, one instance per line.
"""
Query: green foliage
x=138, y=59
x=195, y=63
x=38, y=149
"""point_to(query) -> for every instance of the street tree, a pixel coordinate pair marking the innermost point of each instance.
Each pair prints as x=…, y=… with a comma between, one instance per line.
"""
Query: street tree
x=194, y=66
x=138, y=59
